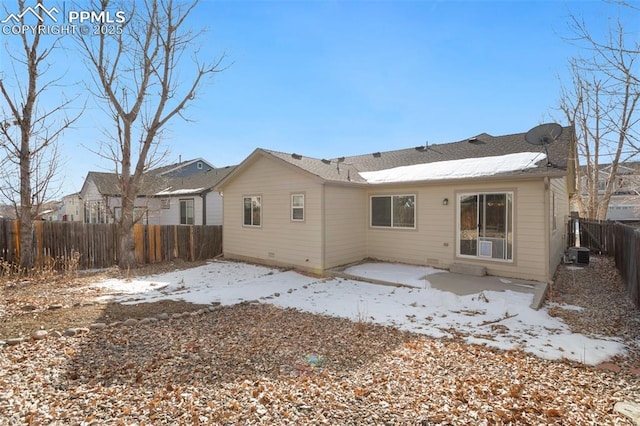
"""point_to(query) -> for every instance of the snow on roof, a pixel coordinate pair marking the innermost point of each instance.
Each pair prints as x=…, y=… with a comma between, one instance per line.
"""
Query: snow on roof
x=180, y=191
x=457, y=169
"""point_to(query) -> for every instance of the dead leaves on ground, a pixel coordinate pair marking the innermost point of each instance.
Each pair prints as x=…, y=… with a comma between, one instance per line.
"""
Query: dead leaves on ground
x=257, y=364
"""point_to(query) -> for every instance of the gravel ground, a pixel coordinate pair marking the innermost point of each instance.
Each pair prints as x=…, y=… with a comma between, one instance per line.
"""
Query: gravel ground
x=259, y=364
x=607, y=311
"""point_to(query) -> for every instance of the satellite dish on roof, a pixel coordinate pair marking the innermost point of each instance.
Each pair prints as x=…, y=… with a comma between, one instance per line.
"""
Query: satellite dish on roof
x=544, y=134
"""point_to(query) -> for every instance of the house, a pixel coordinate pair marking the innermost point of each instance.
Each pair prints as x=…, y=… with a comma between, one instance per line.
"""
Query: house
x=624, y=205
x=176, y=194
x=7, y=212
x=72, y=209
x=49, y=211
x=492, y=201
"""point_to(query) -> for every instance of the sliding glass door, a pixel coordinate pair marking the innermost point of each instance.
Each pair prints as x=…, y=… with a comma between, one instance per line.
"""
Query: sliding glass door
x=485, y=225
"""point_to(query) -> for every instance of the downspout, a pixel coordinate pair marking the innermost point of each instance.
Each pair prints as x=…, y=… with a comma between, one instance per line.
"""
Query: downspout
x=106, y=209
x=204, y=206
x=547, y=229
x=323, y=236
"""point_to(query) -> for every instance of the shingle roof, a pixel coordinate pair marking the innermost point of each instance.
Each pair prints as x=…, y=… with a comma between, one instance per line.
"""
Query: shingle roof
x=346, y=169
x=107, y=183
x=205, y=180
x=624, y=168
x=331, y=170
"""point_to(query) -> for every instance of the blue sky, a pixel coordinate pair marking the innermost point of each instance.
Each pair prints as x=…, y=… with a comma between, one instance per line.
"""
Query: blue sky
x=333, y=78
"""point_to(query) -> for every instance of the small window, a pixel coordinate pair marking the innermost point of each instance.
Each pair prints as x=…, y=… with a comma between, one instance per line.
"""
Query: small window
x=393, y=211
x=252, y=211
x=297, y=207
x=186, y=212
x=199, y=165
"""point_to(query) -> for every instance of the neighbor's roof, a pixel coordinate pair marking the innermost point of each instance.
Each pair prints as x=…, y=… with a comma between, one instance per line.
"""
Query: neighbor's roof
x=194, y=184
x=158, y=185
x=482, y=155
x=624, y=168
x=169, y=169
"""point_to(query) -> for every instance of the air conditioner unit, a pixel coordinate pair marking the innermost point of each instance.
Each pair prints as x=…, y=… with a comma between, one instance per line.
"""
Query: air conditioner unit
x=579, y=255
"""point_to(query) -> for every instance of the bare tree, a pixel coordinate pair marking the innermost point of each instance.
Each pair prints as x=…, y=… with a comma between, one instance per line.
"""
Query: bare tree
x=29, y=131
x=135, y=73
x=601, y=102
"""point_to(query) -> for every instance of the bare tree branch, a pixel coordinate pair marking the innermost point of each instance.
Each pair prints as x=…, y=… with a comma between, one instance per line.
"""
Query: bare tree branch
x=28, y=132
x=601, y=102
x=136, y=75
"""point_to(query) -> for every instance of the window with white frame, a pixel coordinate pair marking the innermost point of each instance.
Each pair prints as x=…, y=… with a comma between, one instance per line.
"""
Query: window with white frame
x=252, y=210
x=187, y=211
x=393, y=211
x=297, y=207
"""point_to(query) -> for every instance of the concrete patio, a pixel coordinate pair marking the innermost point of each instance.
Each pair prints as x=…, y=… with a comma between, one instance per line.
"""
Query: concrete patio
x=462, y=284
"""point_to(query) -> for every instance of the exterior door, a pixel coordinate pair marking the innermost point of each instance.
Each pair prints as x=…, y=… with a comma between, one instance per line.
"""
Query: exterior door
x=485, y=225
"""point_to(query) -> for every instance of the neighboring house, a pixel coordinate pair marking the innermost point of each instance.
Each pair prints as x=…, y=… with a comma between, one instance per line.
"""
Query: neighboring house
x=7, y=212
x=494, y=201
x=179, y=194
x=49, y=211
x=72, y=209
x=624, y=205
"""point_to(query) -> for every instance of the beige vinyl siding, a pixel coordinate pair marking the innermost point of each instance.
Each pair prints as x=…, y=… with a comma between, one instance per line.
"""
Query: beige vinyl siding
x=345, y=225
x=278, y=240
x=434, y=240
x=426, y=243
x=530, y=229
x=558, y=236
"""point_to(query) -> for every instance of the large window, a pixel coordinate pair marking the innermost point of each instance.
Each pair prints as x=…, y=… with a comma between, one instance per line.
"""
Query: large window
x=393, y=211
x=252, y=212
x=297, y=207
x=186, y=212
x=485, y=225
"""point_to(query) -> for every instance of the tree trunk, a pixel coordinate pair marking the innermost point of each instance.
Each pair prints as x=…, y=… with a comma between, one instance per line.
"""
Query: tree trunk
x=127, y=255
x=26, y=239
x=26, y=203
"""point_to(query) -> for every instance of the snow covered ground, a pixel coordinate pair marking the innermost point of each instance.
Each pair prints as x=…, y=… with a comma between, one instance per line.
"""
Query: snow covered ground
x=499, y=319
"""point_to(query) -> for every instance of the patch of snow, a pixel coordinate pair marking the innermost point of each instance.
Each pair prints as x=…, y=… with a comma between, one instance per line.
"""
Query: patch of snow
x=414, y=276
x=457, y=169
x=574, y=268
x=565, y=307
x=180, y=191
x=120, y=286
x=501, y=319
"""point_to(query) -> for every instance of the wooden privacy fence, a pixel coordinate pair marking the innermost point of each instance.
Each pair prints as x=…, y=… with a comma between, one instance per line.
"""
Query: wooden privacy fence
x=617, y=240
x=96, y=245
